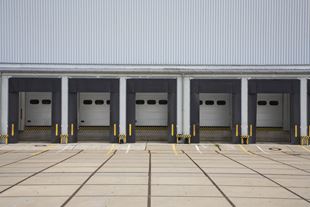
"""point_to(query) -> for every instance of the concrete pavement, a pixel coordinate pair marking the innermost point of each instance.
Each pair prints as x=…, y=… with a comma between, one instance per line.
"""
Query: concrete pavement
x=154, y=174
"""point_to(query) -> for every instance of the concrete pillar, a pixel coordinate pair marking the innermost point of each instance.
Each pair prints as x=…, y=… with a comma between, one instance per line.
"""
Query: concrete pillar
x=303, y=107
x=122, y=106
x=186, y=106
x=179, y=105
x=244, y=107
x=4, y=105
x=64, y=108
x=0, y=102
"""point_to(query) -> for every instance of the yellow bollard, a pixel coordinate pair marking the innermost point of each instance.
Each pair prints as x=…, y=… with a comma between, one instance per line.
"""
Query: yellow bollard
x=56, y=130
x=296, y=132
x=72, y=129
x=130, y=130
x=251, y=130
x=237, y=130
x=172, y=130
x=114, y=130
x=194, y=130
x=12, y=130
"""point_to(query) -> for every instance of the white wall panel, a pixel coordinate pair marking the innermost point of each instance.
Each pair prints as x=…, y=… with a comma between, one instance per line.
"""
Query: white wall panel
x=200, y=32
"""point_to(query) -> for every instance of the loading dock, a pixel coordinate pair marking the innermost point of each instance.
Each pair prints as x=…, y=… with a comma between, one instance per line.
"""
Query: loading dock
x=93, y=116
x=151, y=116
x=215, y=110
x=215, y=116
x=151, y=110
x=273, y=118
x=93, y=110
x=274, y=111
x=34, y=109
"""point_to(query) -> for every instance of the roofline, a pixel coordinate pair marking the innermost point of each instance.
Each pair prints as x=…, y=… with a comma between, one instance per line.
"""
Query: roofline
x=155, y=69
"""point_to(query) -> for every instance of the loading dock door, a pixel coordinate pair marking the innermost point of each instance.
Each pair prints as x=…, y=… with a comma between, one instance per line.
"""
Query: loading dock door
x=94, y=109
x=269, y=110
x=38, y=109
x=151, y=116
x=35, y=116
x=215, y=109
x=94, y=116
x=151, y=109
x=215, y=116
x=272, y=119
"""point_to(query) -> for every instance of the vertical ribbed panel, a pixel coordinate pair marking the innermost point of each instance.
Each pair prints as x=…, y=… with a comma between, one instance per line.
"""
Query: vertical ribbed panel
x=155, y=31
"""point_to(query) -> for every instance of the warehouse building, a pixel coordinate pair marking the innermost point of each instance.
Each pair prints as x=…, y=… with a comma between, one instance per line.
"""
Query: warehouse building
x=232, y=71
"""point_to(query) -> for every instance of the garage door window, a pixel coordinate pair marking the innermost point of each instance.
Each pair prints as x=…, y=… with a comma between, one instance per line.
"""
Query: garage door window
x=221, y=103
x=163, y=102
x=151, y=102
x=274, y=103
x=87, y=102
x=46, y=101
x=209, y=102
x=34, y=101
x=99, y=102
x=139, y=102
x=262, y=103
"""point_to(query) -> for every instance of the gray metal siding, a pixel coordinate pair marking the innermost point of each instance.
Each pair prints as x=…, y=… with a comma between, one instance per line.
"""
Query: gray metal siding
x=198, y=32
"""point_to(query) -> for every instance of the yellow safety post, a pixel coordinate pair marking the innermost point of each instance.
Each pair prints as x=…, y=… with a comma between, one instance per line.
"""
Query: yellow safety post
x=130, y=130
x=296, y=132
x=251, y=130
x=309, y=130
x=56, y=130
x=172, y=129
x=237, y=130
x=72, y=129
x=114, y=130
x=194, y=130
x=12, y=130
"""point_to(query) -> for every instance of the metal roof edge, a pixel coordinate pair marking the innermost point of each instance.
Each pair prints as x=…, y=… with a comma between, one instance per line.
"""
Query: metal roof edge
x=186, y=69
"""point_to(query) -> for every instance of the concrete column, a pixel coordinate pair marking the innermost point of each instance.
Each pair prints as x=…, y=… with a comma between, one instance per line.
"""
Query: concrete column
x=244, y=107
x=4, y=104
x=122, y=106
x=0, y=103
x=179, y=105
x=186, y=106
x=64, y=105
x=303, y=107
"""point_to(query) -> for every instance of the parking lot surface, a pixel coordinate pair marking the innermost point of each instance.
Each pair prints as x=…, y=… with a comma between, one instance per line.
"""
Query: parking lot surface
x=154, y=175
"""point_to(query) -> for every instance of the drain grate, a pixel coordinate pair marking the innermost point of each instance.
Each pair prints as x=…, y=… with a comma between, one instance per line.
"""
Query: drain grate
x=40, y=145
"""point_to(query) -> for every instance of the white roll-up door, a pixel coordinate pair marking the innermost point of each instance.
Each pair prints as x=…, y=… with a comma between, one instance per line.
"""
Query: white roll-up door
x=38, y=108
x=94, y=109
x=215, y=109
x=151, y=109
x=269, y=110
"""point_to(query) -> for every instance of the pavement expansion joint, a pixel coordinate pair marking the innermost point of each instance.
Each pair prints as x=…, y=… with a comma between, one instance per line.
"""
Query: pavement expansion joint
x=154, y=174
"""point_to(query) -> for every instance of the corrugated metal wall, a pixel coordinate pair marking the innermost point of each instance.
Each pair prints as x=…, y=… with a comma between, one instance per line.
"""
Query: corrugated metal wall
x=155, y=31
